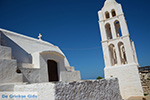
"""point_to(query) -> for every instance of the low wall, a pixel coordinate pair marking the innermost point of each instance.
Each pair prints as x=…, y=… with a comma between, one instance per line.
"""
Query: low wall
x=88, y=90
x=81, y=90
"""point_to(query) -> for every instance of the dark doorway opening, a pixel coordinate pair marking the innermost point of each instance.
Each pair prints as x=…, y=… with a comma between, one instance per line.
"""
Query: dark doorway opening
x=52, y=71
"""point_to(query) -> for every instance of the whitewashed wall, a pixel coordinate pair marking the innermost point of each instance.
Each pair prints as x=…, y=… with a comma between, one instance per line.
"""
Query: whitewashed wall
x=81, y=90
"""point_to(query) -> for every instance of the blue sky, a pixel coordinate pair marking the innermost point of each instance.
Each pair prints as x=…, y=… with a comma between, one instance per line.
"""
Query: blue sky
x=73, y=26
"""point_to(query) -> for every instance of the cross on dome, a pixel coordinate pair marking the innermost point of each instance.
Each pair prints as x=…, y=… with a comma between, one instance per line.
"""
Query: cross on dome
x=40, y=36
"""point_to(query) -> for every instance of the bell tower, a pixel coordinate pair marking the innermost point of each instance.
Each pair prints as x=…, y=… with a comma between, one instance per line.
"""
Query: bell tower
x=118, y=50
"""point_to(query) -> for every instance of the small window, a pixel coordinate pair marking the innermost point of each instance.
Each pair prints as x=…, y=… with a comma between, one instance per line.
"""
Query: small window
x=113, y=13
x=107, y=14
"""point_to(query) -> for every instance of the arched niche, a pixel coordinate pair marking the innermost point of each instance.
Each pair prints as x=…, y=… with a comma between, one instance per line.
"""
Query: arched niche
x=112, y=53
x=108, y=31
x=122, y=53
x=113, y=12
x=118, y=28
x=107, y=15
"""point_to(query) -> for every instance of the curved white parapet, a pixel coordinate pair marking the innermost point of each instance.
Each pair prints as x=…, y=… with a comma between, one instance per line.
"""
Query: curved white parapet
x=32, y=45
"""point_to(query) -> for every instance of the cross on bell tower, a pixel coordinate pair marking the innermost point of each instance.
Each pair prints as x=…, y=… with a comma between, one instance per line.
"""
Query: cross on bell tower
x=118, y=49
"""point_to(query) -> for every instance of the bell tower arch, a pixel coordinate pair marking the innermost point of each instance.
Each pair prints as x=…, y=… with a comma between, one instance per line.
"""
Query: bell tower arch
x=118, y=49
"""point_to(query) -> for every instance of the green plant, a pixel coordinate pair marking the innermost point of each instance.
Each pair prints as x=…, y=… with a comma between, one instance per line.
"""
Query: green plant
x=148, y=78
x=98, y=78
x=145, y=94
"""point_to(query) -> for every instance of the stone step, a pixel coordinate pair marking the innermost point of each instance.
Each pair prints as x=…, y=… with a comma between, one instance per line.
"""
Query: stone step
x=69, y=68
x=25, y=65
x=5, y=52
x=10, y=86
x=137, y=98
x=145, y=86
x=8, y=72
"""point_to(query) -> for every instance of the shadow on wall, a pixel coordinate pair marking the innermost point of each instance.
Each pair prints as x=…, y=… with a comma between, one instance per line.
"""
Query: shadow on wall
x=17, y=52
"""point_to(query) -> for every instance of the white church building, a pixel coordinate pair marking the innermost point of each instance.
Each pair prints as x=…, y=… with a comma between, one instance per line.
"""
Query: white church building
x=30, y=60
x=118, y=50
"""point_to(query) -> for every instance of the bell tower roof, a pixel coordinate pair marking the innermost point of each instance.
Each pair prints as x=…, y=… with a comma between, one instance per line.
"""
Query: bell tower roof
x=110, y=2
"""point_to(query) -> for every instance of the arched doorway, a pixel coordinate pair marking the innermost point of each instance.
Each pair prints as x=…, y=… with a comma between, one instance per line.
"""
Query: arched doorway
x=52, y=70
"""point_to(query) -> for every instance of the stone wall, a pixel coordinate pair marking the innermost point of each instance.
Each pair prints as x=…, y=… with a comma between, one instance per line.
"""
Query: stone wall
x=88, y=90
x=145, y=79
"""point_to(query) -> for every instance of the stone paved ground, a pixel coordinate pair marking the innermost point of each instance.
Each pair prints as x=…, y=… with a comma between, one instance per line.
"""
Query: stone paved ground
x=148, y=98
x=139, y=98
